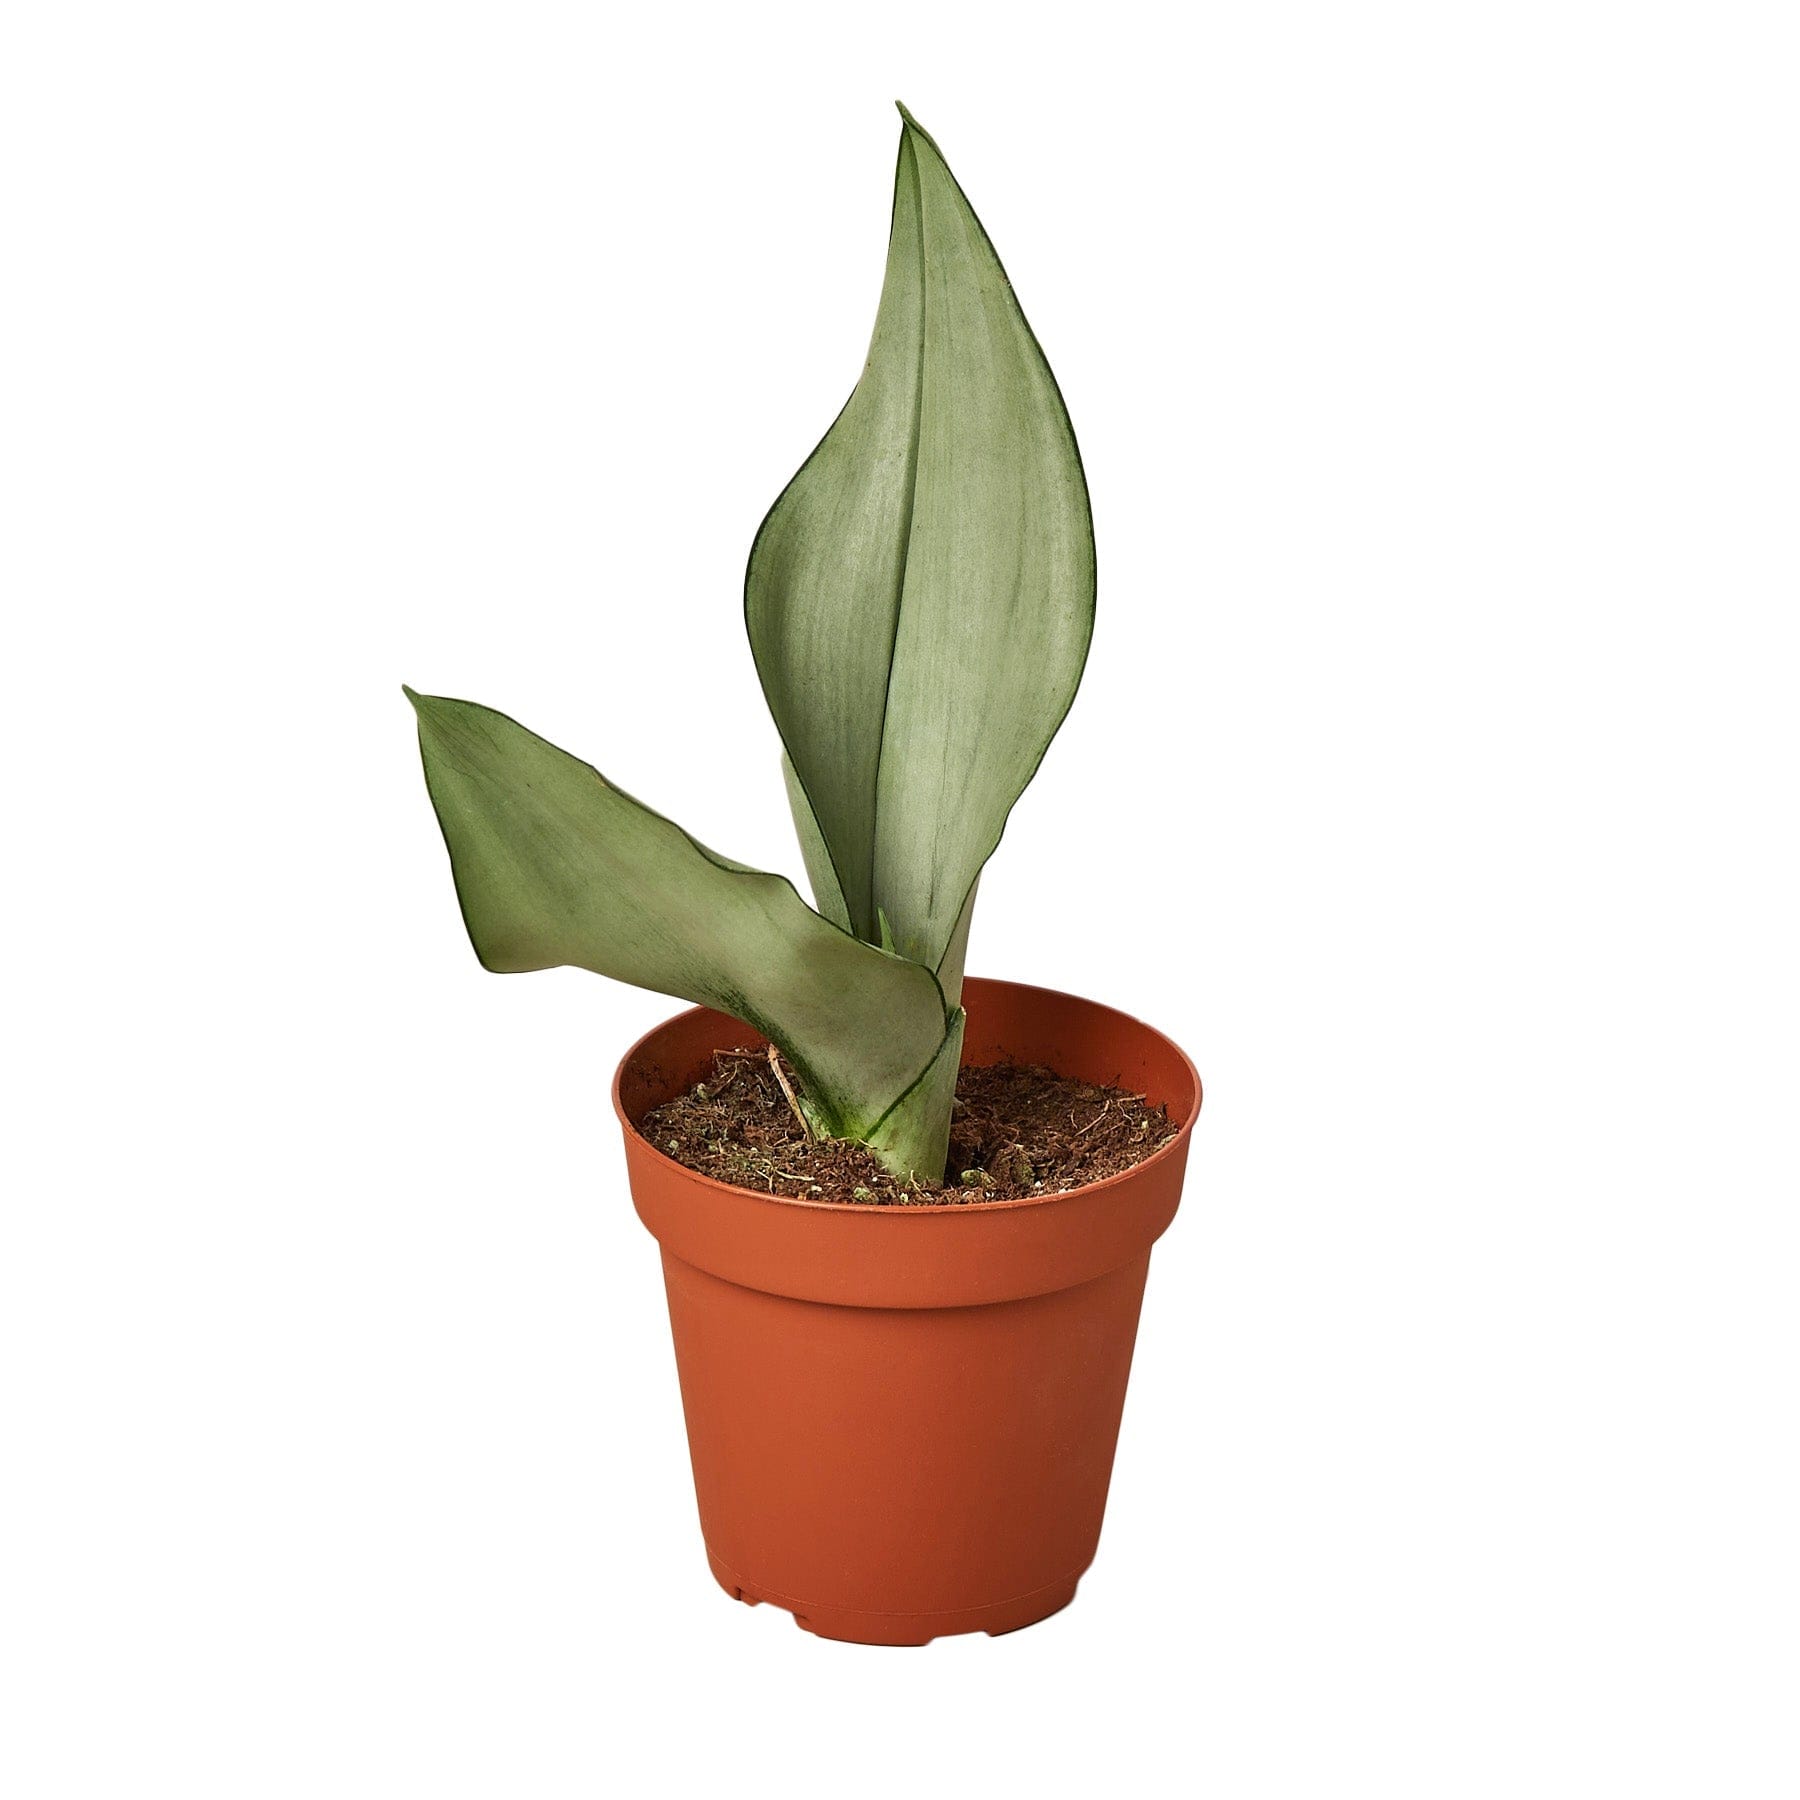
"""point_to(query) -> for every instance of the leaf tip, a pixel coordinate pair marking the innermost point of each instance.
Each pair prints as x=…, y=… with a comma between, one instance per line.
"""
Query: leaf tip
x=912, y=132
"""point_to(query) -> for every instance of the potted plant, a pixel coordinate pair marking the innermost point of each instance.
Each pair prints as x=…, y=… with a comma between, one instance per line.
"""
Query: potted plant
x=902, y=1395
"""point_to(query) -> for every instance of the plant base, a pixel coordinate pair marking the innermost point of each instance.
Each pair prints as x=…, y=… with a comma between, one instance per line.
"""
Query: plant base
x=902, y=1418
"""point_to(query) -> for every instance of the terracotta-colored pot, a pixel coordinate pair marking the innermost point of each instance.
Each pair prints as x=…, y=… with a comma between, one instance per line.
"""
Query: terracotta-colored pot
x=902, y=1419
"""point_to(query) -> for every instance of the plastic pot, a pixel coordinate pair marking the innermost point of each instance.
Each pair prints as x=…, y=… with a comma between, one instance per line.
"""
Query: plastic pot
x=902, y=1419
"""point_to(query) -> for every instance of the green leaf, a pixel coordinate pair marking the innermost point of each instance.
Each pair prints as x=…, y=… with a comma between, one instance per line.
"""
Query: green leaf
x=554, y=865
x=914, y=1133
x=828, y=895
x=950, y=969
x=920, y=598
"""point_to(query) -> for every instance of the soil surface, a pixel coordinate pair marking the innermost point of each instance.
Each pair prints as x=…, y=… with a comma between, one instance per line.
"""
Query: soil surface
x=1016, y=1131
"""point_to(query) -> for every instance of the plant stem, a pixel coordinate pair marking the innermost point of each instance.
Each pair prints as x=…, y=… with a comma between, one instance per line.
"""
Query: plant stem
x=913, y=1138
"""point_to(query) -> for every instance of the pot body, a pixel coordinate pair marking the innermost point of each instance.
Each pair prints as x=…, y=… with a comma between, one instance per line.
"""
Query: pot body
x=902, y=1419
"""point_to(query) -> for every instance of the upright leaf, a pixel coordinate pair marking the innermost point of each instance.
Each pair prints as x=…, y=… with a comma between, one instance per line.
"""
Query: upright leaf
x=951, y=964
x=920, y=598
x=555, y=865
x=828, y=894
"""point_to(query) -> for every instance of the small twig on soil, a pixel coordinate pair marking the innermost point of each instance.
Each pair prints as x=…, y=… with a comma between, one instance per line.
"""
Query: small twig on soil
x=1095, y=1120
x=781, y=1076
x=794, y=1175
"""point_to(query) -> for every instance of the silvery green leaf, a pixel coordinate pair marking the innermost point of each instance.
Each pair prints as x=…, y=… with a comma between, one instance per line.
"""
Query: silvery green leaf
x=828, y=896
x=554, y=865
x=921, y=597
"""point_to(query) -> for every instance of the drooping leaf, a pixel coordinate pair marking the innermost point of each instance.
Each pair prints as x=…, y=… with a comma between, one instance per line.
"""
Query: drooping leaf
x=920, y=598
x=554, y=865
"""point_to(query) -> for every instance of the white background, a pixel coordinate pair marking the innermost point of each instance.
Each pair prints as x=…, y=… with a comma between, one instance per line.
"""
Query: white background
x=1433, y=782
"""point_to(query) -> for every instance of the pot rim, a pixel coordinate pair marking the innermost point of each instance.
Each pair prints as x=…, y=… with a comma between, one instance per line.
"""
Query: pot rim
x=976, y=1207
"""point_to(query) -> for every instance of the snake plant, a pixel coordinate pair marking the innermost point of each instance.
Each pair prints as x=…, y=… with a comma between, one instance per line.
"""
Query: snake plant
x=919, y=602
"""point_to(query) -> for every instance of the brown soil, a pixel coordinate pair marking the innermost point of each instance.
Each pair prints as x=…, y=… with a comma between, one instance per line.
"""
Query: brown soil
x=1017, y=1131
